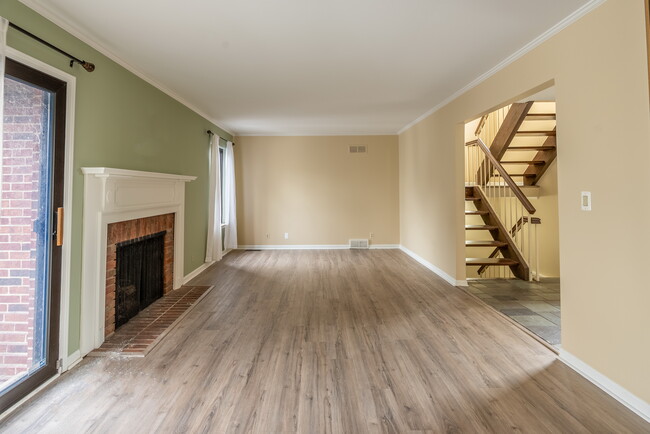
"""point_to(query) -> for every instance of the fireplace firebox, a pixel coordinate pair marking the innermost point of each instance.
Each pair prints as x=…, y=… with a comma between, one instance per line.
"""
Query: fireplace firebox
x=139, y=277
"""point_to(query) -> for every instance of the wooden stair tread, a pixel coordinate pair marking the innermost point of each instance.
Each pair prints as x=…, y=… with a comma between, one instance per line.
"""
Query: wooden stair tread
x=490, y=261
x=486, y=243
x=535, y=133
x=481, y=227
x=531, y=148
x=476, y=212
x=532, y=175
x=541, y=116
x=536, y=163
x=473, y=198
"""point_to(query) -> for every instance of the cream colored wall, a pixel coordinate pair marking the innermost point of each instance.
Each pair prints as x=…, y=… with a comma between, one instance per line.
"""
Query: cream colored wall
x=314, y=189
x=598, y=65
x=549, y=231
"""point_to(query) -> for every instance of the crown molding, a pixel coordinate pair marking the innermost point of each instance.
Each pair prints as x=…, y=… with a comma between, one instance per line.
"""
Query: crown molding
x=317, y=134
x=575, y=16
x=61, y=22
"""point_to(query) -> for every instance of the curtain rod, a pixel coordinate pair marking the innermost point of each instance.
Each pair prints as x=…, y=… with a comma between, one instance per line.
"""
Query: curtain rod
x=211, y=133
x=90, y=67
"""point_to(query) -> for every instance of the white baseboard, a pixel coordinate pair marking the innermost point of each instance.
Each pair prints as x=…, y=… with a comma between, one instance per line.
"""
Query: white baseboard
x=430, y=266
x=616, y=391
x=383, y=246
x=196, y=272
x=312, y=247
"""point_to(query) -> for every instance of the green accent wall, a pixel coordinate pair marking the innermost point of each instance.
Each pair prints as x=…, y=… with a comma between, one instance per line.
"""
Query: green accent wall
x=121, y=121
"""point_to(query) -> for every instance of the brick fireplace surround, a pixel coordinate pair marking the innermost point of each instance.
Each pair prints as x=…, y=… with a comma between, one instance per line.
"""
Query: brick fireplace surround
x=130, y=230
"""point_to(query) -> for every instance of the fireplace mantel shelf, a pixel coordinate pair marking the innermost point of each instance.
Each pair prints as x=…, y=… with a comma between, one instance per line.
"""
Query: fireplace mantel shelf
x=106, y=172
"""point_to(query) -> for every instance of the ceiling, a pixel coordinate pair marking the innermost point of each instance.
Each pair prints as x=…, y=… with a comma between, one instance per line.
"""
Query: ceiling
x=309, y=67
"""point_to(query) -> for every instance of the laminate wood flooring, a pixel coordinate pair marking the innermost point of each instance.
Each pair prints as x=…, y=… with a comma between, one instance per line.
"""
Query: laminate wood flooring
x=334, y=341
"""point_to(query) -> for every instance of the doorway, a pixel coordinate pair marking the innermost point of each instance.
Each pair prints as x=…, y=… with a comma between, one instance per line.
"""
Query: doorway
x=31, y=222
x=511, y=213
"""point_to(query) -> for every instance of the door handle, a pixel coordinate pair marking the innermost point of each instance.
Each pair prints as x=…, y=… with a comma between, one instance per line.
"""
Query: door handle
x=59, y=226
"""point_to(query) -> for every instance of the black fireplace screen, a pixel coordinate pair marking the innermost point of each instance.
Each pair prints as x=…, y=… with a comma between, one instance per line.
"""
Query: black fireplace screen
x=139, y=275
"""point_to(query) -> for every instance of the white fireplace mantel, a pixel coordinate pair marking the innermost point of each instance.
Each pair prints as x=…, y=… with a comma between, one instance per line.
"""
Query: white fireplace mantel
x=111, y=196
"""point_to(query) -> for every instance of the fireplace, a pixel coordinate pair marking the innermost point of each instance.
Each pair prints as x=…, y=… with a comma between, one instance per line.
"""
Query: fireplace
x=120, y=206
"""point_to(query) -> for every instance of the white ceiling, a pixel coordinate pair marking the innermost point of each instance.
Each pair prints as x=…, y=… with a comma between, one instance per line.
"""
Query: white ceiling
x=309, y=66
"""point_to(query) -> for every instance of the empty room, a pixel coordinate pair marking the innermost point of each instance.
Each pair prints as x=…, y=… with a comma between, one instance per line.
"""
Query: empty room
x=324, y=217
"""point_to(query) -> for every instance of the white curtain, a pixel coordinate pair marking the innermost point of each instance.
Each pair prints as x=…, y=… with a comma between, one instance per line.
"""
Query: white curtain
x=230, y=200
x=4, y=25
x=213, y=250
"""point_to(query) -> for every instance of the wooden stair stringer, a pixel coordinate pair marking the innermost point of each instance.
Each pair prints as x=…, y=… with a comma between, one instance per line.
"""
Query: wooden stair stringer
x=535, y=172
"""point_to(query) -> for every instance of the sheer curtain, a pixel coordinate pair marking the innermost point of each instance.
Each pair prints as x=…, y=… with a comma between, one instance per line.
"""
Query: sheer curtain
x=213, y=251
x=230, y=200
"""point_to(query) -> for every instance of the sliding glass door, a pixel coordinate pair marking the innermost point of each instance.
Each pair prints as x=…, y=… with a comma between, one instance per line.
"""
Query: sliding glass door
x=31, y=197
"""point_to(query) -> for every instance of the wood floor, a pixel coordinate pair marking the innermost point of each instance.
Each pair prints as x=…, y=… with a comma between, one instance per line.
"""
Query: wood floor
x=329, y=341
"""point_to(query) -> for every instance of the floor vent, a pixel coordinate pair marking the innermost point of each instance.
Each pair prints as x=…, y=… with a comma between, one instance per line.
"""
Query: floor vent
x=359, y=244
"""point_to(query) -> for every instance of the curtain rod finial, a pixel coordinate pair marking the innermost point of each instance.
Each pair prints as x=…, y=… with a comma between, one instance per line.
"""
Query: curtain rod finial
x=90, y=67
x=210, y=132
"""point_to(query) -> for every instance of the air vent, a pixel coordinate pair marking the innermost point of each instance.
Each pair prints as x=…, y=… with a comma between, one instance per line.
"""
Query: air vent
x=357, y=149
x=359, y=244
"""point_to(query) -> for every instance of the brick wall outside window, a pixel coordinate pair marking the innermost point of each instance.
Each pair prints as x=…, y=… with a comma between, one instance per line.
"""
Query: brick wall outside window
x=21, y=151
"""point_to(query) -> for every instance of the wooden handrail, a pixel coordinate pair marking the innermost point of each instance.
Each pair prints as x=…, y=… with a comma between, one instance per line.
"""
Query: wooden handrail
x=512, y=184
x=481, y=124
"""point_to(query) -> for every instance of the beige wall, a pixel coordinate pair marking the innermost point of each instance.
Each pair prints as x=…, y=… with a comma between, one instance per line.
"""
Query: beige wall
x=314, y=189
x=599, y=68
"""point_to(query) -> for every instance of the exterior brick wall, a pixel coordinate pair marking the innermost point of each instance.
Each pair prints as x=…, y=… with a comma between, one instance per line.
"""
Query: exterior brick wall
x=24, y=116
x=129, y=230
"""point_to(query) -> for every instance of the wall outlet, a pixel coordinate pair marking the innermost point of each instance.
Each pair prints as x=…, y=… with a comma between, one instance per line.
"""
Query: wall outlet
x=286, y=235
x=585, y=201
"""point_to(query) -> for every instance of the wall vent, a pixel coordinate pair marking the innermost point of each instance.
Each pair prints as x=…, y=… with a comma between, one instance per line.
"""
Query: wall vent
x=357, y=149
x=359, y=244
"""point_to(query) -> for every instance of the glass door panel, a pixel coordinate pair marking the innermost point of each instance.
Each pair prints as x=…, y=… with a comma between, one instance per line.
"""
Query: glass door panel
x=30, y=196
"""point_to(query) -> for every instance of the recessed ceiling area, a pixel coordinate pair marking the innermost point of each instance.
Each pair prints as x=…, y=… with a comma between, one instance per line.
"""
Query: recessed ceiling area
x=309, y=67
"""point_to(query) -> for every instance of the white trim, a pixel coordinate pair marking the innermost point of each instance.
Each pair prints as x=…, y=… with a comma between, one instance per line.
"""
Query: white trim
x=17, y=405
x=77, y=33
x=68, y=172
x=324, y=134
x=433, y=268
x=294, y=247
x=71, y=361
x=111, y=196
x=200, y=269
x=615, y=390
x=109, y=171
x=311, y=247
x=575, y=16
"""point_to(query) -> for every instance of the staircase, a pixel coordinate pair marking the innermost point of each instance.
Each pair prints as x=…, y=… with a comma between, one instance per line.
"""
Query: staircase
x=498, y=215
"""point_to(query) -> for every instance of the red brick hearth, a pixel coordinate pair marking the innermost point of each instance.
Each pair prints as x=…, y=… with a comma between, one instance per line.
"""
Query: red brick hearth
x=129, y=230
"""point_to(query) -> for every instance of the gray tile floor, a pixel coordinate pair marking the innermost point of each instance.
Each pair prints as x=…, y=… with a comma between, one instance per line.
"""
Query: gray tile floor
x=534, y=305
